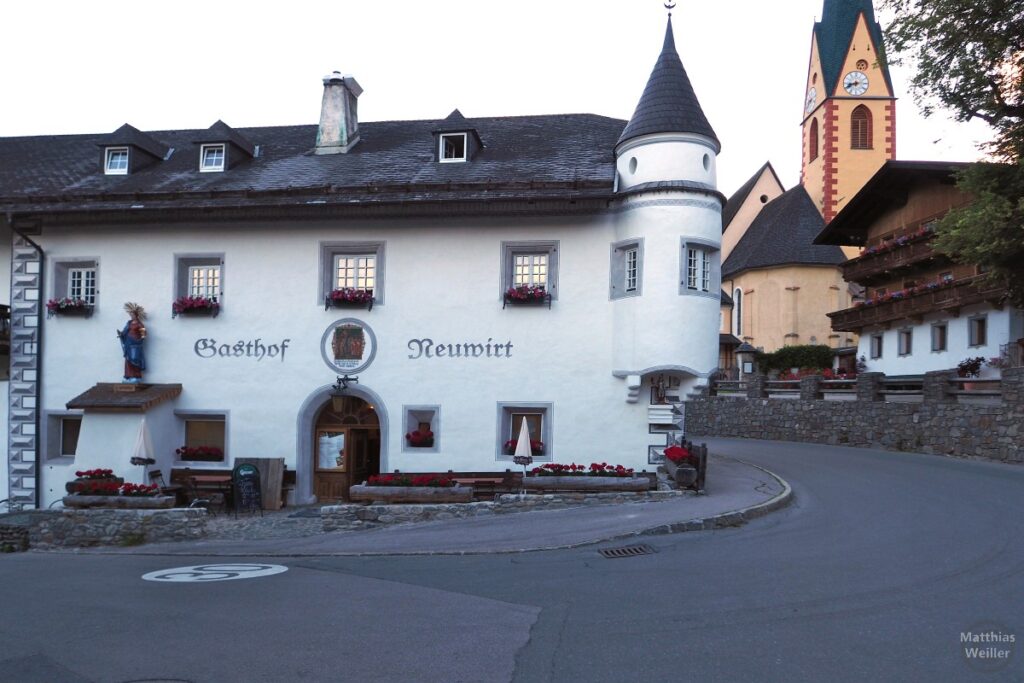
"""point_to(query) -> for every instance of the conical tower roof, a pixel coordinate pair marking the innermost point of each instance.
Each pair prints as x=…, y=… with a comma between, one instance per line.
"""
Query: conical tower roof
x=835, y=32
x=668, y=104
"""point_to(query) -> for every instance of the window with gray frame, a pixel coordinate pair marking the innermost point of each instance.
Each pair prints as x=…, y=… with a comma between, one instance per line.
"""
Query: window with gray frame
x=203, y=430
x=977, y=331
x=532, y=263
x=199, y=275
x=701, y=271
x=62, y=431
x=876, y=346
x=353, y=265
x=538, y=418
x=627, y=268
x=940, y=337
x=905, y=342
x=418, y=419
x=76, y=279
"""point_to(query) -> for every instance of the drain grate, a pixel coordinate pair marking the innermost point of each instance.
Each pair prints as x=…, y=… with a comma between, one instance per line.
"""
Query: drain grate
x=628, y=551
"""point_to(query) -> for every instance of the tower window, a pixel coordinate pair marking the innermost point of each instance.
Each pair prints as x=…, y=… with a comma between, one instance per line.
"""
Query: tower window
x=812, y=142
x=860, y=128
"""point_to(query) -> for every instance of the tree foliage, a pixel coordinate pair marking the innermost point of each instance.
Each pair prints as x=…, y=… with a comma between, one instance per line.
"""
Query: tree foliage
x=969, y=59
x=816, y=357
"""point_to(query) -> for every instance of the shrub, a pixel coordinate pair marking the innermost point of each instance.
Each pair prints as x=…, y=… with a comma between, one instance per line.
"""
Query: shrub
x=816, y=357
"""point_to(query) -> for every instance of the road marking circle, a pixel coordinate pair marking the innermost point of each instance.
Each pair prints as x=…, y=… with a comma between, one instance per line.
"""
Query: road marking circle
x=204, y=573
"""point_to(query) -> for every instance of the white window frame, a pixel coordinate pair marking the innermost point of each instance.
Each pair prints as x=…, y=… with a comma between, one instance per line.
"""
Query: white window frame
x=205, y=149
x=534, y=264
x=108, y=155
x=442, y=138
x=209, y=288
x=631, y=269
x=698, y=268
x=361, y=277
x=86, y=290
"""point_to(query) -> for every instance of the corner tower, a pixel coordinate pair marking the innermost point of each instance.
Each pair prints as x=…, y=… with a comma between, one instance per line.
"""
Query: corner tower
x=666, y=273
x=849, y=120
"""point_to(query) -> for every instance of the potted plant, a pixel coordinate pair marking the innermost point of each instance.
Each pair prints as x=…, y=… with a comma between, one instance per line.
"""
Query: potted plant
x=681, y=465
x=598, y=476
x=195, y=305
x=411, y=488
x=349, y=297
x=970, y=367
x=536, y=447
x=68, y=306
x=89, y=479
x=206, y=453
x=527, y=294
x=418, y=439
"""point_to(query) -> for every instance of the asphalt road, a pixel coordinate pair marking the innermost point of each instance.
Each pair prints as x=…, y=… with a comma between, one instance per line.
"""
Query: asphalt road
x=872, y=574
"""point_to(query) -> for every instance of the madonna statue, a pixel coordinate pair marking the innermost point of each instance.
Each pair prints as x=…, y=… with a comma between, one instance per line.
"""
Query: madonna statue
x=132, y=336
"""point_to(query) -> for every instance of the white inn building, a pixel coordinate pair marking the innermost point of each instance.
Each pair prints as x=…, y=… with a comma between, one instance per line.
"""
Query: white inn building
x=420, y=229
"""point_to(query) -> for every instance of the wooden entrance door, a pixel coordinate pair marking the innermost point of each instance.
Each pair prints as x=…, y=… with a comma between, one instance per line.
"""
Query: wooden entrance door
x=346, y=447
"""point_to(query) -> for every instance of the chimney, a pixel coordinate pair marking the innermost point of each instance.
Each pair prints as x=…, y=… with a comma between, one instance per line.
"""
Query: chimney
x=339, y=122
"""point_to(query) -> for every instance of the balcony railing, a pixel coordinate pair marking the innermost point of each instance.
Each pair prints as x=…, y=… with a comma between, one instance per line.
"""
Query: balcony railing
x=886, y=264
x=950, y=297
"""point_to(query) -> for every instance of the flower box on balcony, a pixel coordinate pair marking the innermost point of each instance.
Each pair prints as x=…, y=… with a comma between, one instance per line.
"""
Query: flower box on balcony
x=69, y=307
x=195, y=306
x=526, y=295
x=347, y=297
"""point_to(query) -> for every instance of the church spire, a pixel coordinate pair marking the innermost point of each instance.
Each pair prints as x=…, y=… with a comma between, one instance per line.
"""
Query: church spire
x=835, y=32
x=669, y=104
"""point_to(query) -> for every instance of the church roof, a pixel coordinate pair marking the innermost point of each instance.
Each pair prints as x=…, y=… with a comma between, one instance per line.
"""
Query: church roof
x=668, y=104
x=834, y=33
x=738, y=197
x=783, y=234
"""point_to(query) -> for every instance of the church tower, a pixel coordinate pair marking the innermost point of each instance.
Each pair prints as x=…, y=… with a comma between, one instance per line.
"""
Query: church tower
x=849, y=120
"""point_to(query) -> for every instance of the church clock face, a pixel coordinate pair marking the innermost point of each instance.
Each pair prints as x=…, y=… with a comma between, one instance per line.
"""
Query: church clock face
x=856, y=83
x=812, y=100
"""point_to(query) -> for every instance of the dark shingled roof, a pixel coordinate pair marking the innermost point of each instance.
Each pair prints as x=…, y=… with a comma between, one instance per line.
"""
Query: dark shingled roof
x=834, y=33
x=222, y=132
x=726, y=299
x=527, y=157
x=130, y=135
x=668, y=104
x=732, y=206
x=783, y=234
x=124, y=398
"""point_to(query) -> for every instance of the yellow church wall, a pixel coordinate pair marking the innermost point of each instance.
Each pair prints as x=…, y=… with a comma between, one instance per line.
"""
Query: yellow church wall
x=812, y=171
x=786, y=306
x=857, y=166
x=862, y=48
x=766, y=186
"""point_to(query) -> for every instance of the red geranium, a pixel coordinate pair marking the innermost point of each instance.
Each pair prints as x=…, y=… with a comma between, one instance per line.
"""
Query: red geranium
x=418, y=439
x=527, y=293
x=350, y=295
x=678, y=455
x=597, y=469
x=431, y=480
x=185, y=304
x=536, y=446
x=95, y=474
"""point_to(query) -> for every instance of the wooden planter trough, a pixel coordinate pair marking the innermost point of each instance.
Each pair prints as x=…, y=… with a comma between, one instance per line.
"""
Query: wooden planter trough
x=586, y=483
x=411, y=494
x=119, y=502
x=684, y=475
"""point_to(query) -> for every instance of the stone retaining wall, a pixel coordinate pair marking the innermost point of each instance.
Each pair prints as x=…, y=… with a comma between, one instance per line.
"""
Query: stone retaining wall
x=350, y=517
x=934, y=426
x=84, y=528
x=13, y=539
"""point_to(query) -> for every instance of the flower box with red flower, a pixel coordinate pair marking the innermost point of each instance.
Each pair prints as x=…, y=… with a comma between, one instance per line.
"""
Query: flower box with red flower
x=203, y=453
x=90, y=478
x=68, y=306
x=681, y=465
x=349, y=297
x=418, y=439
x=536, y=447
x=411, y=488
x=598, y=476
x=527, y=295
x=195, y=305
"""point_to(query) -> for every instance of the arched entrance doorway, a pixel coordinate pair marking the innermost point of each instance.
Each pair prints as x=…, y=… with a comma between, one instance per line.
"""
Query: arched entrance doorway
x=346, y=446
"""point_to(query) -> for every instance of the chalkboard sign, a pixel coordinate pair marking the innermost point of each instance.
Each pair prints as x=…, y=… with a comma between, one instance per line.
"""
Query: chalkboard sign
x=246, y=483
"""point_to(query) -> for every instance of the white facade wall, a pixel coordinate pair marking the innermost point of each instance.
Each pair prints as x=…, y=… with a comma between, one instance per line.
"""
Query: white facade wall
x=1003, y=326
x=442, y=282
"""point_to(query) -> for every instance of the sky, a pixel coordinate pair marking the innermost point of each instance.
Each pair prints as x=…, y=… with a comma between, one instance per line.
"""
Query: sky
x=88, y=67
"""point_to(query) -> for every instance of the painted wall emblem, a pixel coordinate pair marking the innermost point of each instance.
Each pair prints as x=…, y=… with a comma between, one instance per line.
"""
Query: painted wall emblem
x=348, y=346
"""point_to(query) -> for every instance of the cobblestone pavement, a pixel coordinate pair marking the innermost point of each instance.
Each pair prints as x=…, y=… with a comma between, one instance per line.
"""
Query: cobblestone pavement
x=290, y=522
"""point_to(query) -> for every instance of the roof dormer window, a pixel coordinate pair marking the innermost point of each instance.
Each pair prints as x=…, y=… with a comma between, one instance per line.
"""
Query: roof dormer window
x=452, y=147
x=116, y=161
x=211, y=158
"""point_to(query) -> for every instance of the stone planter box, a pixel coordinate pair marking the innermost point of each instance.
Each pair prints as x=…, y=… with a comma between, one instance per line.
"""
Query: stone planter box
x=682, y=474
x=71, y=485
x=585, y=483
x=411, y=494
x=119, y=502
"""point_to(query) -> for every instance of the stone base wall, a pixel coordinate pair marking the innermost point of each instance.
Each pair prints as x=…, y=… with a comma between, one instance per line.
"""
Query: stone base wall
x=995, y=432
x=13, y=539
x=351, y=517
x=49, y=529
